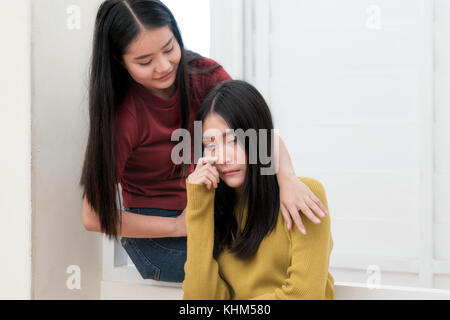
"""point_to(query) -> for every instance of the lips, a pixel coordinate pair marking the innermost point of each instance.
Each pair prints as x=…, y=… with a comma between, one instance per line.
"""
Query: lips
x=229, y=172
x=163, y=77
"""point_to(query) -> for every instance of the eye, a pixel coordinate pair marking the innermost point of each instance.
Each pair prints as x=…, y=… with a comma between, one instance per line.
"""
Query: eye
x=210, y=146
x=170, y=50
x=146, y=64
x=232, y=141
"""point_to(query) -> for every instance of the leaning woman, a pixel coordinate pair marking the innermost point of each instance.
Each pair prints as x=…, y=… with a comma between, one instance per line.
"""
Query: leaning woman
x=144, y=85
x=238, y=246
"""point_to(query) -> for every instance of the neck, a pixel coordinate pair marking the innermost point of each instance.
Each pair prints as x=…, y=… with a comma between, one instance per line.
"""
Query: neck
x=164, y=94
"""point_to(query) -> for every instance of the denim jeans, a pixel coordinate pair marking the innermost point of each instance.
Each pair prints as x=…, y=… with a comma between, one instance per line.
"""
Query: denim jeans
x=157, y=258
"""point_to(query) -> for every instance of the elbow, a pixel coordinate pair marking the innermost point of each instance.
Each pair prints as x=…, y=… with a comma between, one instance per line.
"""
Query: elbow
x=89, y=219
x=89, y=225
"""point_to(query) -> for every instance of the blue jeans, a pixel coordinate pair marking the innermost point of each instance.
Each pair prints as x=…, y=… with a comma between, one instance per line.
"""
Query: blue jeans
x=157, y=258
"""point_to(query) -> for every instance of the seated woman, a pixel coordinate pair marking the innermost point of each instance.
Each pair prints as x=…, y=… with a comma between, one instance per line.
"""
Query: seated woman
x=237, y=244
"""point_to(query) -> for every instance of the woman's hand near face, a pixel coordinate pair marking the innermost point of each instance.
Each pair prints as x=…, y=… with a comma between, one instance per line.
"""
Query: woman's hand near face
x=205, y=173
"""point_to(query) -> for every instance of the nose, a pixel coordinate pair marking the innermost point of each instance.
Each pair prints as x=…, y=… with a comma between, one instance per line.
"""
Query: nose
x=163, y=66
x=225, y=155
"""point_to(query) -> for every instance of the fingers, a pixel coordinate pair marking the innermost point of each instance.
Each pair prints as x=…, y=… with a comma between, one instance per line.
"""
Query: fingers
x=209, y=173
x=293, y=212
x=213, y=174
x=315, y=207
x=323, y=210
x=204, y=179
x=205, y=160
x=307, y=212
x=206, y=173
x=208, y=181
x=286, y=217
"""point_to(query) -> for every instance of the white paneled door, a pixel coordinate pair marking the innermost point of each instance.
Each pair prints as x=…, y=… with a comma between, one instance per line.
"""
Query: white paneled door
x=354, y=93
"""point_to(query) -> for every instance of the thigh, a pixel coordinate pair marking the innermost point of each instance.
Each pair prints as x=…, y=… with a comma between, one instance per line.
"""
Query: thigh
x=157, y=258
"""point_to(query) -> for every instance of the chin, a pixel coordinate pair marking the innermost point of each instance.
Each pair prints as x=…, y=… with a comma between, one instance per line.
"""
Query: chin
x=163, y=86
x=233, y=182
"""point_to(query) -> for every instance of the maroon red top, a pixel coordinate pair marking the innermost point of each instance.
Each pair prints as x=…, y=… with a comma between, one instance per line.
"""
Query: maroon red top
x=143, y=146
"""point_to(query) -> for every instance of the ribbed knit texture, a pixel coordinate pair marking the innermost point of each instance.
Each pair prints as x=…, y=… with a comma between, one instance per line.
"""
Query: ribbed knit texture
x=287, y=265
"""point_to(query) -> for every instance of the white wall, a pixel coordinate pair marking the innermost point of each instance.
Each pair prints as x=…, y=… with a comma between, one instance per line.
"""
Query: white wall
x=227, y=38
x=192, y=16
x=15, y=142
x=442, y=138
x=60, y=60
x=351, y=114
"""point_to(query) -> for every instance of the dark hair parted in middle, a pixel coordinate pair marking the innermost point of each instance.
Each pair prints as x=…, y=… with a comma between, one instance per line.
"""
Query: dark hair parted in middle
x=118, y=23
x=243, y=107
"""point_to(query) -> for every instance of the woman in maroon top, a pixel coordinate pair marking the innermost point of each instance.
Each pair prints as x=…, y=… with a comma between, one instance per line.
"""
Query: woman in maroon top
x=143, y=86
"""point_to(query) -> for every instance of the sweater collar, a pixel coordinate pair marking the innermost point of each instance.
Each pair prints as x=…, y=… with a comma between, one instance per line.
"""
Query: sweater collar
x=153, y=100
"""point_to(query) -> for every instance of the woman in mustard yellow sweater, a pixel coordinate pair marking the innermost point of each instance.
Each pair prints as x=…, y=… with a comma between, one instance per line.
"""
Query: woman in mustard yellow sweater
x=237, y=244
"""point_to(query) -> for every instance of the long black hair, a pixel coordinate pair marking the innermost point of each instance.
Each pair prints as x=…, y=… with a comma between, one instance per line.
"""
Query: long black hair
x=117, y=24
x=243, y=107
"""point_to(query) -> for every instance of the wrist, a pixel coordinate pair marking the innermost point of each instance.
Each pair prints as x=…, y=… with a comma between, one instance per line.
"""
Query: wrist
x=285, y=175
x=175, y=228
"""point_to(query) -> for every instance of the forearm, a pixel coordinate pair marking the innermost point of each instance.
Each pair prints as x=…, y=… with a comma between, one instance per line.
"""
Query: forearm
x=285, y=167
x=133, y=225
x=202, y=279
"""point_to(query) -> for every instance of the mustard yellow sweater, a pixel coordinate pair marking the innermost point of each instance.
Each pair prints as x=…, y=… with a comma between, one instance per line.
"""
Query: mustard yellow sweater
x=287, y=264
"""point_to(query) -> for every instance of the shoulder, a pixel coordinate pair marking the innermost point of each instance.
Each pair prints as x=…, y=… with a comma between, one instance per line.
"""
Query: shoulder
x=316, y=187
x=313, y=231
x=127, y=108
x=207, y=72
x=126, y=116
x=205, y=75
x=204, y=63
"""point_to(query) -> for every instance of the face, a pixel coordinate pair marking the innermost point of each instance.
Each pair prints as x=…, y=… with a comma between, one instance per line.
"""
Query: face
x=152, y=60
x=232, y=159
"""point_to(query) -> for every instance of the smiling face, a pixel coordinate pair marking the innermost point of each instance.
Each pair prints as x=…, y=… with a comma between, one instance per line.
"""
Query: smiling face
x=152, y=60
x=232, y=159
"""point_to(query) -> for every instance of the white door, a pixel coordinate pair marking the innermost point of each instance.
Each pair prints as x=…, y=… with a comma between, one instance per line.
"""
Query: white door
x=351, y=87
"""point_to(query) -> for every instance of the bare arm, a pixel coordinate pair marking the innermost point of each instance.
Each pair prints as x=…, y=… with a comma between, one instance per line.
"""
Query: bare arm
x=294, y=194
x=138, y=226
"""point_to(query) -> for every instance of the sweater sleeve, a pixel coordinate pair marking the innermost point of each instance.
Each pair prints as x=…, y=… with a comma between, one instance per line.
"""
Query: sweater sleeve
x=307, y=276
x=202, y=279
x=219, y=75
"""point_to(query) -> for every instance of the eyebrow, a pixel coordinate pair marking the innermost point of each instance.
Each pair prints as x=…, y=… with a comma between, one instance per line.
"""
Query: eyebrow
x=149, y=55
x=228, y=133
